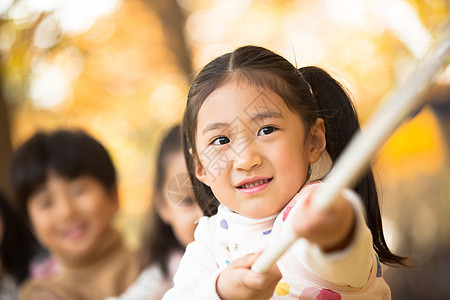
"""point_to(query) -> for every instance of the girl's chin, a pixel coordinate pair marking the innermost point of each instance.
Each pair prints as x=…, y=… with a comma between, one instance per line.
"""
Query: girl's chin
x=82, y=251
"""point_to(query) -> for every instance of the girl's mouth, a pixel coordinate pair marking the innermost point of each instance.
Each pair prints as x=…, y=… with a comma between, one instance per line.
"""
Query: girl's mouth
x=254, y=186
x=255, y=183
x=75, y=233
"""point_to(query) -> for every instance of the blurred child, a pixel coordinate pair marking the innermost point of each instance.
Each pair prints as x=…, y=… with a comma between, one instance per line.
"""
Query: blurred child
x=65, y=184
x=254, y=125
x=17, y=249
x=171, y=223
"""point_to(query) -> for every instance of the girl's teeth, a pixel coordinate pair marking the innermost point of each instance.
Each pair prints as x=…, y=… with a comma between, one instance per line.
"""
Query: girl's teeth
x=247, y=186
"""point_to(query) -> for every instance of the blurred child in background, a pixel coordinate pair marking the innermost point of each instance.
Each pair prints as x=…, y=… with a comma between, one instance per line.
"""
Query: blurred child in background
x=65, y=185
x=171, y=221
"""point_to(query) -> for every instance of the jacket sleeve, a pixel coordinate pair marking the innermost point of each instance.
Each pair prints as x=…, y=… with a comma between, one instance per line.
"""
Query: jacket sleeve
x=197, y=274
x=350, y=266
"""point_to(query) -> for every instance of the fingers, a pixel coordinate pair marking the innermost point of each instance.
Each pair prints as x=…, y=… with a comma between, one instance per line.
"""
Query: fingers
x=238, y=281
x=258, y=281
x=245, y=261
x=330, y=229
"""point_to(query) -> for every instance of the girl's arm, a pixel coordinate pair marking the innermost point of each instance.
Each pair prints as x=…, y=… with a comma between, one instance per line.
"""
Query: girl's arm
x=338, y=244
x=330, y=229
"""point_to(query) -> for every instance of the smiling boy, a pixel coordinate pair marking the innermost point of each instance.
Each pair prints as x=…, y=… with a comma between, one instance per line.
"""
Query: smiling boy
x=65, y=185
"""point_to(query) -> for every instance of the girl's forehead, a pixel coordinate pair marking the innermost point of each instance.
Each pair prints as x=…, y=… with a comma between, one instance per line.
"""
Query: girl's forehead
x=240, y=100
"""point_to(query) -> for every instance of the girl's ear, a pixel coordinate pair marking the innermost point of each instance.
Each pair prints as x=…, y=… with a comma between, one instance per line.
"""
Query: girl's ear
x=318, y=141
x=114, y=193
x=162, y=210
x=200, y=173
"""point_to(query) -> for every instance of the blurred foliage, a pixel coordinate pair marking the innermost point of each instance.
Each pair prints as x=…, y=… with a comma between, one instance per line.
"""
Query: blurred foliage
x=121, y=74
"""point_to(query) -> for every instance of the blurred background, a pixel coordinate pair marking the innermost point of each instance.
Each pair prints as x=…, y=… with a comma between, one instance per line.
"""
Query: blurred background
x=121, y=69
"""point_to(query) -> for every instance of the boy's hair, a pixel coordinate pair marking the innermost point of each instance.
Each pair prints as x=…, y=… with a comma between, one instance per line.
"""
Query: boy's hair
x=70, y=153
x=18, y=245
x=309, y=92
x=158, y=239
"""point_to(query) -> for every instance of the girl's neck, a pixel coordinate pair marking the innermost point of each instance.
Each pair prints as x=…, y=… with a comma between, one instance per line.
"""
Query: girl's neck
x=247, y=220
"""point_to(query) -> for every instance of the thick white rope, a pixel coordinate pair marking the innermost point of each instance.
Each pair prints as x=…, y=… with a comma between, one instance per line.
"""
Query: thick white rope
x=364, y=145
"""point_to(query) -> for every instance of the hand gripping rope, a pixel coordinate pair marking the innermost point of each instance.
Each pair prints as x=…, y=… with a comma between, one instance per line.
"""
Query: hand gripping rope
x=364, y=144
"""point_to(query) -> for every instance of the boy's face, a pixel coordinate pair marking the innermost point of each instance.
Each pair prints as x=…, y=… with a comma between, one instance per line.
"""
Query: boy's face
x=70, y=216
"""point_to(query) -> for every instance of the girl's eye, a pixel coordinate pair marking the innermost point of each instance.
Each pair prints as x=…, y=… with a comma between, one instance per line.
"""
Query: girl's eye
x=42, y=198
x=78, y=189
x=267, y=130
x=44, y=202
x=222, y=140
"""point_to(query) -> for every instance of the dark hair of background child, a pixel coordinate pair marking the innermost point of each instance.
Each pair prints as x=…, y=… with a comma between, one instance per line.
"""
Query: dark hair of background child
x=158, y=240
x=70, y=154
x=311, y=93
x=18, y=246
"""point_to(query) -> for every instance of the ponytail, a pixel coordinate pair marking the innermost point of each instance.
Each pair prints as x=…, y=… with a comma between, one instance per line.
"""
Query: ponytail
x=341, y=123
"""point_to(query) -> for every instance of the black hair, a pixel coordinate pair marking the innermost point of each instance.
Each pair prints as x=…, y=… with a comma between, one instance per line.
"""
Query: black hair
x=70, y=153
x=310, y=92
x=158, y=240
x=18, y=246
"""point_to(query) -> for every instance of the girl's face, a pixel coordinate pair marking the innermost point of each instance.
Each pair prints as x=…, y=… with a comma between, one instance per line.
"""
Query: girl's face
x=70, y=216
x=178, y=208
x=253, y=151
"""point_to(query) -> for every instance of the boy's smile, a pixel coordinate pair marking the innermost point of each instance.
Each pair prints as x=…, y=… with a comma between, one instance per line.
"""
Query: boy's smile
x=252, y=149
x=70, y=216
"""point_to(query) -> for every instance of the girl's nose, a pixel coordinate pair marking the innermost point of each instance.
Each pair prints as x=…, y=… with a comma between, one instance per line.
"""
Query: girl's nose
x=66, y=207
x=248, y=158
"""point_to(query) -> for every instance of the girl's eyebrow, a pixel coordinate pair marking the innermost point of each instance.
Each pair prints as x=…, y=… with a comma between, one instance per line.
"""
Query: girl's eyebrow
x=268, y=114
x=213, y=126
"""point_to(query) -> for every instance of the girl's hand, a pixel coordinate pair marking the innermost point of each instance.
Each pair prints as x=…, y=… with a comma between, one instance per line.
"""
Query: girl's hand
x=331, y=229
x=238, y=281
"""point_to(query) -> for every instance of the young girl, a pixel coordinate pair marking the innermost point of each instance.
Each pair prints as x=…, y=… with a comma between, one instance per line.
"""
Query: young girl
x=256, y=128
x=171, y=221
